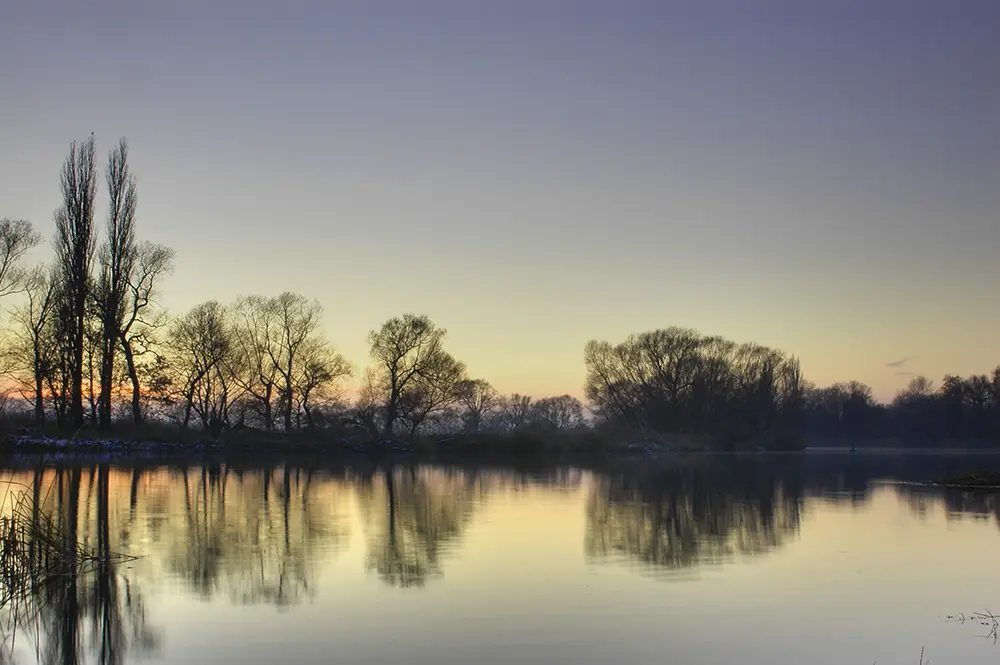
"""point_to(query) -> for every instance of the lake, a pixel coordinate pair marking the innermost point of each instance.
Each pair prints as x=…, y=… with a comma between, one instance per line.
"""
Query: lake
x=815, y=558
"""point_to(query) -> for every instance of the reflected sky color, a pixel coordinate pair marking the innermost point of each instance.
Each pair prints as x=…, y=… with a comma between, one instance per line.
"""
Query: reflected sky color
x=820, y=177
x=262, y=565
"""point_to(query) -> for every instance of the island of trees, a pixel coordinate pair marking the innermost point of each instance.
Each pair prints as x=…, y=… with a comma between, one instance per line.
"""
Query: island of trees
x=88, y=346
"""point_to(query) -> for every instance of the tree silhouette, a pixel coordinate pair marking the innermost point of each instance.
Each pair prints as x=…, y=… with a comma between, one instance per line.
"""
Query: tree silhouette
x=117, y=263
x=17, y=236
x=74, y=256
x=413, y=375
x=675, y=380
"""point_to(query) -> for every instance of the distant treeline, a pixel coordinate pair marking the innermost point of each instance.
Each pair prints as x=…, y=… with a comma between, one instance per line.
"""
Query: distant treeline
x=88, y=344
x=676, y=380
x=960, y=409
x=679, y=381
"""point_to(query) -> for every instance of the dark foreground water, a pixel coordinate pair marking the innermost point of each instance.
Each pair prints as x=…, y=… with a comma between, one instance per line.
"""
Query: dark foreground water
x=821, y=558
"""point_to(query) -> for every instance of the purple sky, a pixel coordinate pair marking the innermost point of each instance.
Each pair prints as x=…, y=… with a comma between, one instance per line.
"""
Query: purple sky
x=819, y=176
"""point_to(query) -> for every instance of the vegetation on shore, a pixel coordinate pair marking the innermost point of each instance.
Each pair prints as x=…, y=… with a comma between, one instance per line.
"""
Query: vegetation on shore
x=583, y=442
x=90, y=348
x=974, y=480
x=60, y=574
x=38, y=554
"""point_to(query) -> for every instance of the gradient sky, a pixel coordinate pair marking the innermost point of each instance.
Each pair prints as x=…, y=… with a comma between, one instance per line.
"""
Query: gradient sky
x=823, y=177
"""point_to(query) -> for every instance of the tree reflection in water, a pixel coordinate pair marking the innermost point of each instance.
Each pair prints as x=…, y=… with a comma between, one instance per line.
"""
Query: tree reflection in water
x=254, y=535
x=413, y=514
x=416, y=514
x=955, y=503
x=257, y=535
x=93, y=611
x=688, y=514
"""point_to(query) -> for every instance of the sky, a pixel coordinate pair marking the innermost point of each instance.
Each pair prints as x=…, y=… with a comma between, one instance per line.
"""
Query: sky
x=818, y=176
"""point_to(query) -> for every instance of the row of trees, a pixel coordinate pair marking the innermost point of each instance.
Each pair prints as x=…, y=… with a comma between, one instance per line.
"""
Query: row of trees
x=676, y=380
x=262, y=360
x=263, y=363
x=89, y=344
x=960, y=408
x=87, y=318
x=416, y=384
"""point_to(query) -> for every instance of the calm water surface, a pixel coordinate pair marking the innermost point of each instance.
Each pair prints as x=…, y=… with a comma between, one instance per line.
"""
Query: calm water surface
x=810, y=559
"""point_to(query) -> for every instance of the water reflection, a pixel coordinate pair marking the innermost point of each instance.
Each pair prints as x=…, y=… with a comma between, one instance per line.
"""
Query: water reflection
x=275, y=536
x=957, y=504
x=92, y=611
x=680, y=516
x=254, y=535
x=413, y=515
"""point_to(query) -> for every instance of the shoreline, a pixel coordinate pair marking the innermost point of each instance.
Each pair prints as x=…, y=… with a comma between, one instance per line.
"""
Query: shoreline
x=560, y=448
x=488, y=449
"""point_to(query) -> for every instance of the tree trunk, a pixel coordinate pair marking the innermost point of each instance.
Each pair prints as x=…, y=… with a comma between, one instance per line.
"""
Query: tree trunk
x=307, y=410
x=91, y=398
x=187, y=412
x=59, y=403
x=76, y=384
x=107, y=377
x=39, y=396
x=133, y=376
x=79, y=339
x=268, y=411
x=288, y=396
x=189, y=400
x=390, y=415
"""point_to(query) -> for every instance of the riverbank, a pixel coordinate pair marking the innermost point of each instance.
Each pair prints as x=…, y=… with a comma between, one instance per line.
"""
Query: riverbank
x=976, y=480
x=584, y=443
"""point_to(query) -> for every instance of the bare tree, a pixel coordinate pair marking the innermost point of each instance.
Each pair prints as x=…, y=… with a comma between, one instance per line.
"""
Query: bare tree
x=675, y=380
x=74, y=246
x=432, y=392
x=118, y=261
x=919, y=387
x=515, y=411
x=142, y=317
x=256, y=334
x=413, y=374
x=369, y=409
x=281, y=361
x=479, y=401
x=35, y=351
x=561, y=413
x=59, y=336
x=297, y=321
x=201, y=345
x=16, y=238
x=319, y=370
x=92, y=363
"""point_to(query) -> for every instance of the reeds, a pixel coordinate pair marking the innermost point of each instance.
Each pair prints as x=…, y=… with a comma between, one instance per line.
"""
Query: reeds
x=36, y=552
